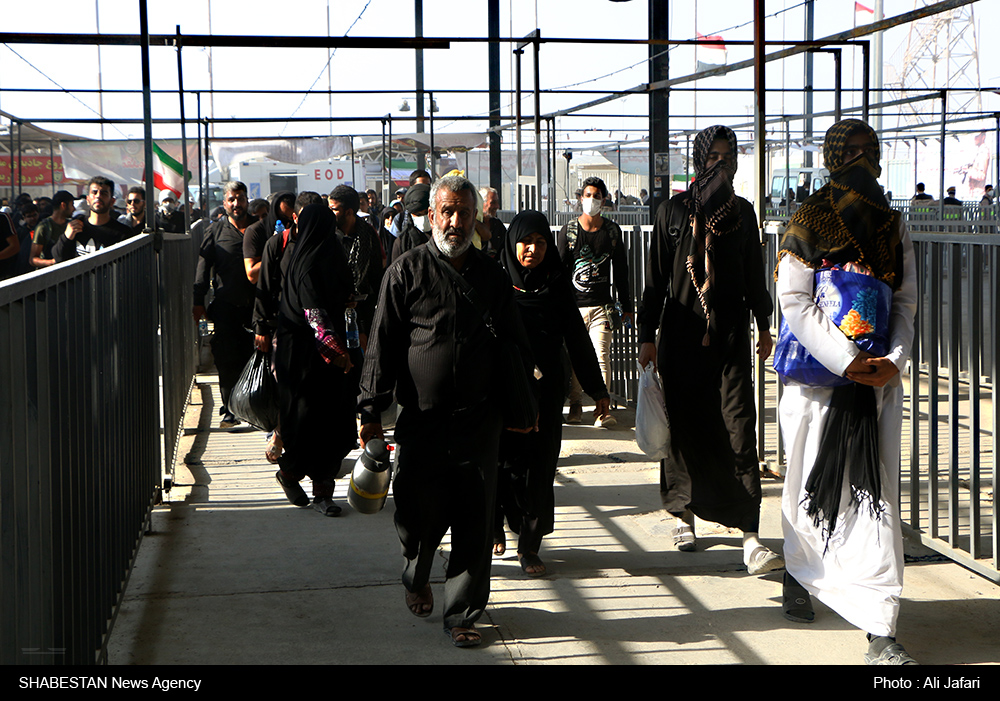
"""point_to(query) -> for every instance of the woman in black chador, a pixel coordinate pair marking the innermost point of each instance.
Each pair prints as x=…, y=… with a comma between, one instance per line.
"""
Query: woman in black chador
x=548, y=309
x=316, y=403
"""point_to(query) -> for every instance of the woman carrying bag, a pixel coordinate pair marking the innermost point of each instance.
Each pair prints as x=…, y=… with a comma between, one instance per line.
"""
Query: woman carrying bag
x=317, y=406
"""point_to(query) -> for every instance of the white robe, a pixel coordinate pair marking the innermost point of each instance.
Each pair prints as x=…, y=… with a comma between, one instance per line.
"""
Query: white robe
x=861, y=575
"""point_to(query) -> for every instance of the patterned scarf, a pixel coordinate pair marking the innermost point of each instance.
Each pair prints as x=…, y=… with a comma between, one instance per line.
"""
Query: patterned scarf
x=848, y=219
x=716, y=212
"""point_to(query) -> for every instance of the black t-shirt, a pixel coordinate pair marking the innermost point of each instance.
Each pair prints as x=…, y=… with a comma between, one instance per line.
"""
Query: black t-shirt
x=93, y=238
x=589, y=257
x=254, y=239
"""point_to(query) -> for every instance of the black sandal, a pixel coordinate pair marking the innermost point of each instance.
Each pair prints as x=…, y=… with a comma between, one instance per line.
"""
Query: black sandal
x=796, y=605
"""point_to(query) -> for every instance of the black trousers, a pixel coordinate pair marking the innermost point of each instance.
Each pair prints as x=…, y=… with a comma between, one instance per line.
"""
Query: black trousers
x=446, y=478
x=232, y=343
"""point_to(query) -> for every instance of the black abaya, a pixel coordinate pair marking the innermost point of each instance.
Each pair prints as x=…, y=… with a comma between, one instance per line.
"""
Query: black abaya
x=317, y=406
x=550, y=316
x=712, y=468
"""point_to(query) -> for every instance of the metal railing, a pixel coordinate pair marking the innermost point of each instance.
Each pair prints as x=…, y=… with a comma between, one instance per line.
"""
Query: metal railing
x=178, y=338
x=80, y=438
x=950, y=465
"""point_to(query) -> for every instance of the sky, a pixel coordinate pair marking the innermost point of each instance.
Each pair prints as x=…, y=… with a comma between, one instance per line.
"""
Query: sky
x=593, y=67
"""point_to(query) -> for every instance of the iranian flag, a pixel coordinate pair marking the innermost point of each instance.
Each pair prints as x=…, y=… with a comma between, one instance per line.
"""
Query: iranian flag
x=167, y=172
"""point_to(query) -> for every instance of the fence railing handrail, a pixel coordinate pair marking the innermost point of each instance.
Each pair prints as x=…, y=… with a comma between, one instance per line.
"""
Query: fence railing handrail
x=37, y=280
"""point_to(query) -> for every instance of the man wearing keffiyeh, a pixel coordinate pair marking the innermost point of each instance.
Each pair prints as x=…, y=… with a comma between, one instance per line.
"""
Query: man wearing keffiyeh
x=705, y=279
x=840, y=503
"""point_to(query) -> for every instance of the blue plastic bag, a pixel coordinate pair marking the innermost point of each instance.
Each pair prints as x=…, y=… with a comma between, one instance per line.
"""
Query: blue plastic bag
x=859, y=304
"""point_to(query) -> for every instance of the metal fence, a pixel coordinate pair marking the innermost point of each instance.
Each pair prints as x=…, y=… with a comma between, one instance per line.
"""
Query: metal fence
x=178, y=339
x=80, y=439
x=950, y=466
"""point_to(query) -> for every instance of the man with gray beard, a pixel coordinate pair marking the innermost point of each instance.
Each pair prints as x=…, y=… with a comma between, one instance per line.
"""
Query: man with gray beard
x=427, y=345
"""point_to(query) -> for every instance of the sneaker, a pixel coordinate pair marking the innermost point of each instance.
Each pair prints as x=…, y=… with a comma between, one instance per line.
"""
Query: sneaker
x=608, y=421
x=229, y=421
x=575, y=414
x=883, y=651
x=763, y=560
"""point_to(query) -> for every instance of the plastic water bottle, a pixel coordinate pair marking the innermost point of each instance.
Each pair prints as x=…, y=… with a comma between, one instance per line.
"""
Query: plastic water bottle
x=203, y=327
x=279, y=228
x=351, y=322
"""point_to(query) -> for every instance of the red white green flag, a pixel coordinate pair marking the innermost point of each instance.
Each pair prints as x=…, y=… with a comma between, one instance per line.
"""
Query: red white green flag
x=167, y=172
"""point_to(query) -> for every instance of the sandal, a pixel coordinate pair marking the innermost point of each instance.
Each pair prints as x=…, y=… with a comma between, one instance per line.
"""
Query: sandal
x=763, y=560
x=326, y=506
x=499, y=544
x=795, y=602
x=531, y=560
x=272, y=453
x=293, y=490
x=470, y=635
x=421, y=603
x=684, y=538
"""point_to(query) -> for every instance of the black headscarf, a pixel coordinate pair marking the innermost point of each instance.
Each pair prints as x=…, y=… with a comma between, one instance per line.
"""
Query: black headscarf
x=318, y=275
x=534, y=283
x=417, y=198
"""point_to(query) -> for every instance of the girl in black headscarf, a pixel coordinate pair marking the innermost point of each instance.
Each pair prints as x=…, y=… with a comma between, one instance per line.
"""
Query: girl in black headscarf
x=317, y=406
x=548, y=309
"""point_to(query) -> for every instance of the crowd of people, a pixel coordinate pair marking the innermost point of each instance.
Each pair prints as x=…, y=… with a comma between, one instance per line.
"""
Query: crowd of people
x=432, y=305
x=40, y=232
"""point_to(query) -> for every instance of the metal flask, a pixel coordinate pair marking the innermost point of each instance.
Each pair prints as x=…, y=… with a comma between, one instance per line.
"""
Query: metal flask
x=370, y=478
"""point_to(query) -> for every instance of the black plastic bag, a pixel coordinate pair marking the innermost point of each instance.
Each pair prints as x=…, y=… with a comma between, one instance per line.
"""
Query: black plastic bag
x=255, y=397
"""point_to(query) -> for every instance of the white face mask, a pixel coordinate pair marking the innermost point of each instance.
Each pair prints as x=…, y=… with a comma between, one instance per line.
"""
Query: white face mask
x=421, y=222
x=591, y=206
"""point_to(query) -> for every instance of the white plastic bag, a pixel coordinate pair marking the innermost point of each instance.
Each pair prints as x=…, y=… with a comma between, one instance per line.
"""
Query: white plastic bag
x=652, y=430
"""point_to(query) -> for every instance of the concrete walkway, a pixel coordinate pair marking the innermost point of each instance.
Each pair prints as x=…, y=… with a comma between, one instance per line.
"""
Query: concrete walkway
x=233, y=574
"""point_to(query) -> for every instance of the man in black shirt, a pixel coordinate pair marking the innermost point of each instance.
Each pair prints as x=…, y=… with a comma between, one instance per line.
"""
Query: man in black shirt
x=99, y=229
x=416, y=229
x=428, y=346
x=921, y=195
x=592, y=249
x=135, y=210
x=232, y=309
x=169, y=217
x=364, y=254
